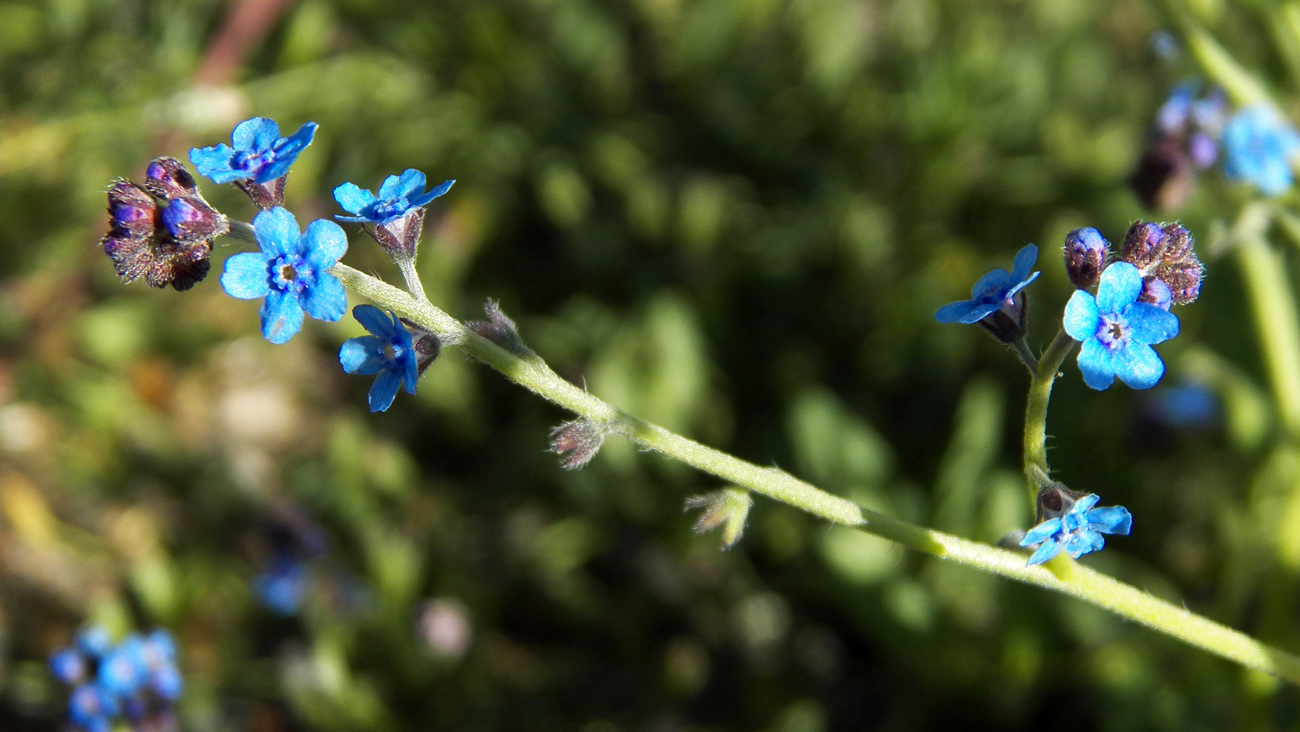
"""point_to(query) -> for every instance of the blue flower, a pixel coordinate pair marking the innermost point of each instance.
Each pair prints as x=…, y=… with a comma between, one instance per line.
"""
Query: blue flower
x=92, y=708
x=397, y=196
x=282, y=585
x=259, y=152
x=68, y=665
x=992, y=291
x=290, y=272
x=1117, y=331
x=1260, y=145
x=390, y=353
x=1078, y=531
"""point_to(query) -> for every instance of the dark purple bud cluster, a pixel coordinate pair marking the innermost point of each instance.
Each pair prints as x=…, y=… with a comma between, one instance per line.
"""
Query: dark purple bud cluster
x=578, y=441
x=163, y=230
x=1185, y=138
x=1165, y=256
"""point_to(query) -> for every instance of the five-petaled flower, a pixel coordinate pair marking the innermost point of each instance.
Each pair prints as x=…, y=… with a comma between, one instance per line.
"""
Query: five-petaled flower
x=395, y=216
x=1117, y=331
x=259, y=153
x=390, y=352
x=290, y=272
x=992, y=291
x=1260, y=146
x=1078, y=531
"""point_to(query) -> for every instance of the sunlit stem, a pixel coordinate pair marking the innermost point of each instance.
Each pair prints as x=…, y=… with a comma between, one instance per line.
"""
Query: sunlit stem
x=1037, y=474
x=1064, y=575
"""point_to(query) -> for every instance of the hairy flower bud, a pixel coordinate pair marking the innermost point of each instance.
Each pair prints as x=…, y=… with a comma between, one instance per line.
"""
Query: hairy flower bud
x=1142, y=244
x=727, y=508
x=1085, y=256
x=167, y=178
x=1055, y=500
x=1183, y=279
x=1156, y=292
x=499, y=329
x=578, y=441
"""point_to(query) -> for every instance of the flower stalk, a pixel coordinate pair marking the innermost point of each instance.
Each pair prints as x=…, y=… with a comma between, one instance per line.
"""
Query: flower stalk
x=1060, y=575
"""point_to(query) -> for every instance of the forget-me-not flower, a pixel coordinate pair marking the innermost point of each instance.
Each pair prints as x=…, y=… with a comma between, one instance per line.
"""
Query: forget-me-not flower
x=397, y=196
x=1078, y=531
x=992, y=291
x=290, y=272
x=1117, y=331
x=1260, y=145
x=259, y=152
x=136, y=679
x=390, y=352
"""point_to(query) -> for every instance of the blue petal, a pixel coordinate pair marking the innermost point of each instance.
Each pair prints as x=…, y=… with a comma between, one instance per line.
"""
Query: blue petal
x=297, y=142
x=281, y=316
x=354, y=199
x=442, y=188
x=384, y=390
x=1097, y=365
x=277, y=231
x=374, y=320
x=325, y=243
x=256, y=134
x=1139, y=366
x=245, y=276
x=214, y=162
x=408, y=185
x=1041, y=532
x=1025, y=259
x=1111, y=520
x=1022, y=284
x=1045, y=552
x=326, y=299
x=955, y=312
x=1081, y=317
x=363, y=356
x=1121, y=284
x=1084, y=542
x=1151, y=324
x=991, y=285
x=1085, y=504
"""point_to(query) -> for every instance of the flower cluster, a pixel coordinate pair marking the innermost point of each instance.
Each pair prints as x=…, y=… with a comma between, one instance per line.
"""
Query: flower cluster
x=1071, y=521
x=136, y=680
x=1258, y=145
x=1184, y=139
x=161, y=231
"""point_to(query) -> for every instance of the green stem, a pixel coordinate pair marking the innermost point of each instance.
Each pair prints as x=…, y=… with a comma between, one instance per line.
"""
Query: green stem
x=1062, y=575
x=1274, y=309
x=1040, y=393
x=412, y=277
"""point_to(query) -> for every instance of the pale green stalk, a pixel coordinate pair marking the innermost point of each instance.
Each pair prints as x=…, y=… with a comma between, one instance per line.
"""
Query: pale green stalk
x=1037, y=473
x=1061, y=575
x=1274, y=308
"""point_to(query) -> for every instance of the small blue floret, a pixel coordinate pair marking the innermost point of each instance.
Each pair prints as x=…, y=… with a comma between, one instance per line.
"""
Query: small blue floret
x=398, y=195
x=290, y=272
x=259, y=152
x=1117, y=331
x=389, y=352
x=992, y=290
x=1079, y=531
x=1259, y=147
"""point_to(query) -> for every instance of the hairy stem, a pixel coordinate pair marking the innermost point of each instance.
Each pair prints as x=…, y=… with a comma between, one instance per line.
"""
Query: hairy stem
x=1063, y=575
x=1037, y=474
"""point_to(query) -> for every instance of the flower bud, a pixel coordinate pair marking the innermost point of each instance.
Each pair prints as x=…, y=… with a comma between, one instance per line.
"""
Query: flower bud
x=578, y=441
x=190, y=220
x=1055, y=500
x=131, y=211
x=167, y=178
x=1156, y=292
x=1142, y=244
x=1085, y=256
x=1183, y=279
x=1163, y=179
x=264, y=195
x=499, y=329
x=727, y=508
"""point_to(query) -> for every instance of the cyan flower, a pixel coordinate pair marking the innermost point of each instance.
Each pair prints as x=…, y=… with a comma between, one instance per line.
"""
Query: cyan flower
x=390, y=352
x=992, y=291
x=259, y=152
x=1117, y=331
x=92, y=708
x=290, y=272
x=1260, y=145
x=1078, y=531
x=282, y=585
x=397, y=196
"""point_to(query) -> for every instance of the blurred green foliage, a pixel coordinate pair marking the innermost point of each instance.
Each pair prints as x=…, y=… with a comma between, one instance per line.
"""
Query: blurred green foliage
x=732, y=217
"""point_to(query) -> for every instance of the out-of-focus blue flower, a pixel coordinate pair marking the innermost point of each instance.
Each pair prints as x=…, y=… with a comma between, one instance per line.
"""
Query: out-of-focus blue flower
x=1260, y=145
x=290, y=272
x=389, y=352
x=94, y=641
x=282, y=585
x=259, y=152
x=1117, y=331
x=1185, y=405
x=124, y=669
x=92, y=708
x=992, y=291
x=68, y=666
x=398, y=195
x=1078, y=531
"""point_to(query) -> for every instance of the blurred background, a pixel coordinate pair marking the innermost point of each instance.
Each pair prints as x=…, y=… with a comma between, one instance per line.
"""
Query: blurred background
x=735, y=218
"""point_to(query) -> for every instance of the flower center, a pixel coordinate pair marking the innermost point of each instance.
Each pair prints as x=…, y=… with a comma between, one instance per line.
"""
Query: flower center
x=287, y=273
x=252, y=160
x=385, y=210
x=1112, y=331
